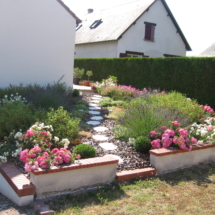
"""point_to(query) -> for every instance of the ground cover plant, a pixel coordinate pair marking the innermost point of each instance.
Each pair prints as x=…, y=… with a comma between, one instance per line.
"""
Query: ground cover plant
x=188, y=191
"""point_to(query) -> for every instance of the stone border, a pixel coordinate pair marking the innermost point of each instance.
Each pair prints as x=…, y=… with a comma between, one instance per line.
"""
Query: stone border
x=171, y=159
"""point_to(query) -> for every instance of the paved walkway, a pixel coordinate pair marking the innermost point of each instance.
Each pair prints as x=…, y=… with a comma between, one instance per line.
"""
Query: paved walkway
x=7, y=207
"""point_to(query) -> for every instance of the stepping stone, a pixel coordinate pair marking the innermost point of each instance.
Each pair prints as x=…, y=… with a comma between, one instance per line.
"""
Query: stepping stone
x=94, y=108
x=86, y=143
x=97, y=96
x=93, y=122
x=115, y=156
x=108, y=146
x=95, y=101
x=100, y=128
x=97, y=118
x=100, y=137
x=93, y=105
x=95, y=112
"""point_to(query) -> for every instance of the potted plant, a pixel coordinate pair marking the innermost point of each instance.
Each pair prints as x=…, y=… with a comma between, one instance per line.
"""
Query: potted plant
x=88, y=73
x=77, y=74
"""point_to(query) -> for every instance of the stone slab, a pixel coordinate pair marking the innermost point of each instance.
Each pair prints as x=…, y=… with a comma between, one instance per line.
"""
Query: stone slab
x=95, y=112
x=108, y=146
x=97, y=118
x=100, y=137
x=117, y=157
x=100, y=128
x=93, y=122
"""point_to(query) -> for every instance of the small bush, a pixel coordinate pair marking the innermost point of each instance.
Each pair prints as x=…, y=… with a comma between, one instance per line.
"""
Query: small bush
x=120, y=132
x=80, y=107
x=108, y=102
x=63, y=124
x=142, y=144
x=76, y=93
x=16, y=114
x=86, y=151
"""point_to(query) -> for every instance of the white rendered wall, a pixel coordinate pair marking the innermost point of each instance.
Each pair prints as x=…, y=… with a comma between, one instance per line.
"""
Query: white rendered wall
x=167, y=41
x=96, y=50
x=37, y=42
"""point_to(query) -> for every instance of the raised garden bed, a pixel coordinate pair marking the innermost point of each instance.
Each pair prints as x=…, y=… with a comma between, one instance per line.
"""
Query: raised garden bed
x=166, y=160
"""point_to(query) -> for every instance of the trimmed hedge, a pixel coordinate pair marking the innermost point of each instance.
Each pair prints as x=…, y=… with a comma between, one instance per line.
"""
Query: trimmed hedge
x=193, y=76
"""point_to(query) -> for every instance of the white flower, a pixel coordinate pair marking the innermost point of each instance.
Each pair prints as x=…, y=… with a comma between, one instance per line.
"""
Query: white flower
x=188, y=99
x=5, y=96
x=200, y=142
x=65, y=141
x=56, y=139
x=18, y=134
x=203, y=132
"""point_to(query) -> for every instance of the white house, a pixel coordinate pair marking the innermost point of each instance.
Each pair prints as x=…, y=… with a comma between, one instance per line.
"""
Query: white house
x=144, y=28
x=37, y=42
x=209, y=52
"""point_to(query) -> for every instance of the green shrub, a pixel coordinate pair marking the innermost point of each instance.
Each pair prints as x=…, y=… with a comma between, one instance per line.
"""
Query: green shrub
x=142, y=144
x=86, y=151
x=141, y=116
x=80, y=107
x=120, y=132
x=63, y=124
x=15, y=114
x=76, y=93
x=108, y=102
x=178, y=102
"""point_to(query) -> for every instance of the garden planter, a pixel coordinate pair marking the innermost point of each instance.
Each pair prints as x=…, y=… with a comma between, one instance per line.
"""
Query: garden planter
x=166, y=160
x=86, y=83
x=76, y=81
x=91, y=84
x=81, y=83
x=82, y=174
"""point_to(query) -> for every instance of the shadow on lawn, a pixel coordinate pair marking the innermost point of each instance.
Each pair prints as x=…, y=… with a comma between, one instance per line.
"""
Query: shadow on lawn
x=199, y=174
x=101, y=196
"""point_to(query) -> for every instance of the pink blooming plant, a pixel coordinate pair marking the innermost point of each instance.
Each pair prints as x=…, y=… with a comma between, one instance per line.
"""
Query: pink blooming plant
x=176, y=135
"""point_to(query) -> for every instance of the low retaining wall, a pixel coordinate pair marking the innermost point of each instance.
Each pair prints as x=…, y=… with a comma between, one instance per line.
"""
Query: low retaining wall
x=83, y=173
x=15, y=186
x=166, y=160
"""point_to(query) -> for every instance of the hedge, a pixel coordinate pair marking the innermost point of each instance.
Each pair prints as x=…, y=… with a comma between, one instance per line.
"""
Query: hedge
x=192, y=76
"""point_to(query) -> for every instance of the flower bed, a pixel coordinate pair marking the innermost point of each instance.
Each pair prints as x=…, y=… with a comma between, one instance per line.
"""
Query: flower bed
x=82, y=174
x=166, y=160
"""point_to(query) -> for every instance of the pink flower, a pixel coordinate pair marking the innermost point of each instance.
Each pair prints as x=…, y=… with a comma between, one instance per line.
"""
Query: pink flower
x=55, y=150
x=29, y=134
x=210, y=128
x=194, y=140
x=183, y=132
x=156, y=143
x=163, y=127
x=78, y=156
x=66, y=158
x=43, y=164
x=175, y=123
x=23, y=155
x=163, y=92
x=169, y=132
x=27, y=167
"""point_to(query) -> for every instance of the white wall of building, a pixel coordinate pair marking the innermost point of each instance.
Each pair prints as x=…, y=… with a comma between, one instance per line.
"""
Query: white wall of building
x=96, y=50
x=167, y=41
x=37, y=42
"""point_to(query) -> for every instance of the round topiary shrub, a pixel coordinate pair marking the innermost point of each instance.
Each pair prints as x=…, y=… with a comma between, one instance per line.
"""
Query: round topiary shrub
x=76, y=93
x=86, y=151
x=142, y=144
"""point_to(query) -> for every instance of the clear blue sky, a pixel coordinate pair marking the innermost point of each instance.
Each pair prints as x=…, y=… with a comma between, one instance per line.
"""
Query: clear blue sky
x=196, y=18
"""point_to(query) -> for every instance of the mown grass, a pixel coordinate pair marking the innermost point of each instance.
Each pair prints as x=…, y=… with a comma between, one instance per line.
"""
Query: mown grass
x=188, y=191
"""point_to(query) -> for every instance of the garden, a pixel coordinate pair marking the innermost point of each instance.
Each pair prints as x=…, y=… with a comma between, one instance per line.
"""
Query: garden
x=52, y=126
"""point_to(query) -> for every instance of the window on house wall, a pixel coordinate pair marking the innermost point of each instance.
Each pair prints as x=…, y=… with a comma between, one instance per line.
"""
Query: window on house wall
x=149, y=31
x=132, y=54
x=96, y=24
x=78, y=26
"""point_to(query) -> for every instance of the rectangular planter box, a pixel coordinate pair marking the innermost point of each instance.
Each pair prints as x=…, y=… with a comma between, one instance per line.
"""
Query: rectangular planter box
x=82, y=174
x=165, y=160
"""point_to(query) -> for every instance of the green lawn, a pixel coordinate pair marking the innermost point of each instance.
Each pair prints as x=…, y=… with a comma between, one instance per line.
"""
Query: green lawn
x=188, y=191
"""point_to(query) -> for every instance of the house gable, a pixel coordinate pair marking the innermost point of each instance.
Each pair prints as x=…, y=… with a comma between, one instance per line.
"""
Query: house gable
x=118, y=20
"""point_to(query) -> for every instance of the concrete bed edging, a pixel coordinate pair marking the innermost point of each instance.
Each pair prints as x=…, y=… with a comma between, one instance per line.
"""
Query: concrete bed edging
x=20, y=190
x=166, y=160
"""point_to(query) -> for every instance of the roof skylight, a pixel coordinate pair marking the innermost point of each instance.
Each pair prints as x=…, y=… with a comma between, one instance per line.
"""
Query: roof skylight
x=96, y=24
